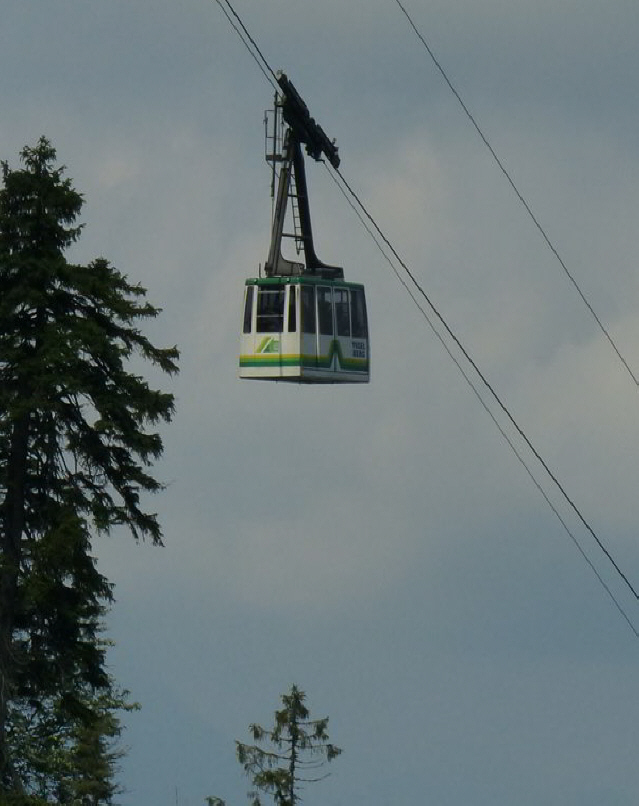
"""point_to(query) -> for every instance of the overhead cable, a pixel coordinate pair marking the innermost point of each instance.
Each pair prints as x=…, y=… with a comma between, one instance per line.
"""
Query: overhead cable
x=248, y=42
x=520, y=196
x=479, y=397
x=436, y=313
x=489, y=386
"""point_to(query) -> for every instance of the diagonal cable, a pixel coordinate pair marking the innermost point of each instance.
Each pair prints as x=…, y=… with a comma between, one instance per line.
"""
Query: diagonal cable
x=488, y=386
x=520, y=196
x=485, y=406
x=248, y=42
x=466, y=355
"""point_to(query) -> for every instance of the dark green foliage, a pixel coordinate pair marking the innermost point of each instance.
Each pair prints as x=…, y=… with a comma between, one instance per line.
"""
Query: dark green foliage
x=66, y=332
x=76, y=445
x=68, y=756
x=289, y=755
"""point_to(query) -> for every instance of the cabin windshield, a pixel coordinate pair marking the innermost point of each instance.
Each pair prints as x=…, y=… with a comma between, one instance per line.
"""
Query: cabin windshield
x=270, y=310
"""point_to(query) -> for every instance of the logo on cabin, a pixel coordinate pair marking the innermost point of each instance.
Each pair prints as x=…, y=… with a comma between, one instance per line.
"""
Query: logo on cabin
x=359, y=349
x=269, y=345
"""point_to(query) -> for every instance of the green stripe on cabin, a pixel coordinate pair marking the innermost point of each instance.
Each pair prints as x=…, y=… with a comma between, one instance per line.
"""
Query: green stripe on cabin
x=306, y=361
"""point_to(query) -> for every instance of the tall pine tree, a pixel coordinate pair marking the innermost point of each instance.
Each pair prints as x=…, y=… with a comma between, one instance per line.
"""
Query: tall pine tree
x=77, y=440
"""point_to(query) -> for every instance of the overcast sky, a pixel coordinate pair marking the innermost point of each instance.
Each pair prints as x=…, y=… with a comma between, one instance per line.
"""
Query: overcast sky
x=380, y=546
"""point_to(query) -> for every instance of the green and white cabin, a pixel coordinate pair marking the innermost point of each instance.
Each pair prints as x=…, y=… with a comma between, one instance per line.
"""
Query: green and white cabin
x=302, y=321
x=306, y=330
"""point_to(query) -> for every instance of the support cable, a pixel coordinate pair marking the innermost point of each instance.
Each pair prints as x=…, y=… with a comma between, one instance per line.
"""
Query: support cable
x=520, y=196
x=266, y=69
x=435, y=311
x=248, y=42
x=484, y=405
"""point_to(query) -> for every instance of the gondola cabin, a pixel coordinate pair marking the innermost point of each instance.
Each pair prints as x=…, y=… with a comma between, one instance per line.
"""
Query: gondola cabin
x=305, y=330
x=302, y=322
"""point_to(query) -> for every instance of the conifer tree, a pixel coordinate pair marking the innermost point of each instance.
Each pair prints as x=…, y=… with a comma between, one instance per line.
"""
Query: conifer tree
x=289, y=755
x=77, y=440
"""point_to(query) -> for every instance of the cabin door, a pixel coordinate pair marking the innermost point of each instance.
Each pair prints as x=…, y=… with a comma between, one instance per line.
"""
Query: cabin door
x=325, y=328
x=308, y=346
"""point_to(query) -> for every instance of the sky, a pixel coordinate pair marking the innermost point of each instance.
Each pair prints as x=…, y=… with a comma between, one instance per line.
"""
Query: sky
x=380, y=545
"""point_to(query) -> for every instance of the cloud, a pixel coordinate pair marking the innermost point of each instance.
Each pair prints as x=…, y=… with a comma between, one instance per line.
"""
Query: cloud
x=380, y=546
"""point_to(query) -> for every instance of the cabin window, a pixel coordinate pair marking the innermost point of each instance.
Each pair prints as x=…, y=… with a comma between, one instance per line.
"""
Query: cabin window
x=248, y=308
x=325, y=310
x=292, y=309
x=342, y=317
x=358, y=314
x=308, y=309
x=270, y=310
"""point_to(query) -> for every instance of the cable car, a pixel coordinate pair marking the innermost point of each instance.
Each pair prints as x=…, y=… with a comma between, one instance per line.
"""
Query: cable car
x=305, y=329
x=302, y=322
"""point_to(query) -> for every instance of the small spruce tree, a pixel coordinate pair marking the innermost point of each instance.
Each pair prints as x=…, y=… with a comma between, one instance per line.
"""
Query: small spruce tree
x=288, y=755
